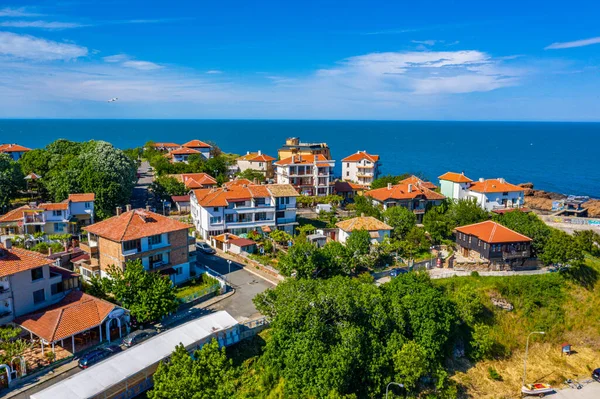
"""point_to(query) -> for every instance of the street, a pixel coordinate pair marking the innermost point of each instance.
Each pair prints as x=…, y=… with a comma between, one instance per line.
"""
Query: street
x=589, y=391
x=140, y=195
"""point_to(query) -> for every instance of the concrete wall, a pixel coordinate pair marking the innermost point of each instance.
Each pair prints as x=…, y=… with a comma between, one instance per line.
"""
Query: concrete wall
x=22, y=289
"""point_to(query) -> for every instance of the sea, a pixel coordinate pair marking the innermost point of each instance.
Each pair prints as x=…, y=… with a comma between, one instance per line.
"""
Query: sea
x=558, y=157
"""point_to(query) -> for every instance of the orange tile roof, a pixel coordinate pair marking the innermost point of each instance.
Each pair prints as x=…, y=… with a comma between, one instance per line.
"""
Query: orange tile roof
x=359, y=156
x=195, y=180
x=183, y=151
x=303, y=160
x=492, y=233
x=256, y=157
x=416, y=181
x=236, y=190
x=196, y=144
x=61, y=206
x=167, y=145
x=494, y=186
x=400, y=192
x=368, y=223
x=15, y=215
x=242, y=242
x=135, y=224
x=13, y=148
x=83, y=197
x=18, y=260
x=226, y=237
x=76, y=313
x=455, y=177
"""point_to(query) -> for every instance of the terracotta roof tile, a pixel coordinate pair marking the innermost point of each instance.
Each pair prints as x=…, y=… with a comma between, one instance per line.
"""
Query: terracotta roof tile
x=13, y=148
x=166, y=145
x=196, y=144
x=368, y=223
x=135, y=224
x=180, y=198
x=226, y=237
x=416, y=181
x=195, y=180
x=494, y=186
x=455, y=177
x=282, y=190
x=18, y=260
x=184, y=151
x=401, y=192
x=492, y=232
x=77, y=312
x=84, y=197
x=256, y=157
x=359, y=156
x=61, y=206
x=242, y=242
x=15, y=215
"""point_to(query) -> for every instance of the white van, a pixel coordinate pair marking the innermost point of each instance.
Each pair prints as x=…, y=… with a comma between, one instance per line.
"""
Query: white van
x=324, y=208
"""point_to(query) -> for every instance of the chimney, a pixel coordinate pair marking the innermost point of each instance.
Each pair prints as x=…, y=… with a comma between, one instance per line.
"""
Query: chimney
x=501, y=180
x=410, y=188
x=389, y=186
x=255, y=180
x=119, y=209
x=148, y=208
x=481, y=180
x=128, y=207
x=462, y=173
x=49, y=251
x=8, y=244
x=259, y=152
x=247, y=152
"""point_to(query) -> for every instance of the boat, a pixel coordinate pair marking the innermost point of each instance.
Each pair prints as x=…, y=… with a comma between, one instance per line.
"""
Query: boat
x=538, y=389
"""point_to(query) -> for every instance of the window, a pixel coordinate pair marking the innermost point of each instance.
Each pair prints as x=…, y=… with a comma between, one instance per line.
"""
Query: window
x=347, y=164
x=178, y=271
x=216, y=209
x=56, y=288
x=485, y=245
x=154, y=259
x=37, y=273
x=261, y=216
x=88, y=205
x=215, y=220
x=56, y=213
x=469, y=239
x=259, y=201
x=260, y=164
x=155, y=240
x=229, y=218
x=39, y=296
x=280, y=214
x=131, y=245
x=347, y=173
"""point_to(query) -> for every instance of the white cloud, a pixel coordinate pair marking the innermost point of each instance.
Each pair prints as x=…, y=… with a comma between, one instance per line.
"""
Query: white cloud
x=142, y=65
x=576, y=43
x=38, y=49
x=214, y=72
x=425, y=42
x=17, y=12
x=48, y=25
x=116, y=58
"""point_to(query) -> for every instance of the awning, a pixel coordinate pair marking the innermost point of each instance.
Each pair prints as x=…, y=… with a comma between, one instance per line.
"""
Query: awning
x=168, y=271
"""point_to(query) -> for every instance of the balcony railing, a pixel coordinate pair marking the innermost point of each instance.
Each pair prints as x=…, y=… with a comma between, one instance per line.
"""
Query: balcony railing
x=283, y=207
x=515, y=254
x=4, y=292
x=34, y=219
x=286, y=220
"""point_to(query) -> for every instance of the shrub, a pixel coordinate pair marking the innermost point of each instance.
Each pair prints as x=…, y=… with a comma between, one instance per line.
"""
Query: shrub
x=493, y=374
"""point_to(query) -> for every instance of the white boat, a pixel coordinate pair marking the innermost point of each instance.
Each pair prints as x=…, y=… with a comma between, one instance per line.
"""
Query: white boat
x=538, y=389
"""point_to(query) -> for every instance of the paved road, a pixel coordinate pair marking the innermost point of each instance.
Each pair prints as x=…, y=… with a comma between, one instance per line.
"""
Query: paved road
x=140, y=191
x=589, y=391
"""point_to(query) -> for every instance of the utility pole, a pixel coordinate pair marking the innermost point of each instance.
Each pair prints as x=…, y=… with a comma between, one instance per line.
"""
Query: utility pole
x=527, y=350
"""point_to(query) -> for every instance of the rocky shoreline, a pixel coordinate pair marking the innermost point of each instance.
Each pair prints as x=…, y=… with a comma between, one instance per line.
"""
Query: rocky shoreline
x=541, y=201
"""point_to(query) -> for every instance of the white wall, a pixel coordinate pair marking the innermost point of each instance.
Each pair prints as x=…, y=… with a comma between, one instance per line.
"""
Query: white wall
x=350, y=171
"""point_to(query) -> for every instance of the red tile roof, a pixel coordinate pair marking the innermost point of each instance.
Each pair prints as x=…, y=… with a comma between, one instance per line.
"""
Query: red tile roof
x=183, y=151
x=416, y=181
x=76, y=313
x=455, y=177
x=84, y=197
x=167, y=145
x=225, y=237
x=303, y=160
x=15, y=215
x=18, y=260
x=135, y=224
x=256, y=157
x=196, y=144
x=492, y=233
x=368, y=223
x=242, y=242
x=195, y=180
x=13, y=148
x=180, y=198
x=401, y=192
x=61, y=206
x=494, y=186
x=237, y=190
x=359, y=156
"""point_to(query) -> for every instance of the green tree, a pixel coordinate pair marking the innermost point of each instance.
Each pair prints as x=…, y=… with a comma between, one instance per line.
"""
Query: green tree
x=438, y=224
x=337, y=258
x=280, y=236
x=482, y=343
x=208, y=375
x=466, y=211
x=304, y=259
x=306, y=229
x=410, y=364
x=468, y=304
x=165, y=186
x=364, y=206
x=358, y=242
x=252, y=174
x=588, y=241
x=400, y=219
x=561, y=248
x=528, y=224
x=10, y=344
x=416, y=241
x=11, y=179
x=384, y=180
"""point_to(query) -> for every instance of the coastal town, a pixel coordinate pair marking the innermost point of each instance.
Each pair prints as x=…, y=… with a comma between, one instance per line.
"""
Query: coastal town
x=111, y=260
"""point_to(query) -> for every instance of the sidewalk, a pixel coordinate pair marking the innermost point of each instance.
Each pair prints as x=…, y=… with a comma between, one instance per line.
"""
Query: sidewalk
x=249, y=268
x=446, y=273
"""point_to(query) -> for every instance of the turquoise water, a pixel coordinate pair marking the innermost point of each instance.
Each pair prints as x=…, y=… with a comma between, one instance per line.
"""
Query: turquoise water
x=560, y=157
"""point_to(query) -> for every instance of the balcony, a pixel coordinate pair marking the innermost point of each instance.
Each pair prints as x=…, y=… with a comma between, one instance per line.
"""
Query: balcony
x=132, y=251
x=158, y=245
x=34, y=218
x=158, y=265
x=515, y=254
x=91, y=247
x=281, y=221
x=4, y=292
x=283, y=207
x=6, y=316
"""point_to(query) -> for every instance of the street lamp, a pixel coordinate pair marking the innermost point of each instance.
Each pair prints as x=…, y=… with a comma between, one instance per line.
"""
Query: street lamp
x=229, y=263
x=388, y=387
x=526, y=350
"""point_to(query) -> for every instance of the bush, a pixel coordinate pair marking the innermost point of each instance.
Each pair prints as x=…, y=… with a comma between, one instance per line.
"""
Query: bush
x=482, y=343
x=474, y=274
x=493, y=374
x=41, y=247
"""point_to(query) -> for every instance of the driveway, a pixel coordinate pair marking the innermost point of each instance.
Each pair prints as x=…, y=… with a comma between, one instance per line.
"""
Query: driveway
x=589, y=391
x=140, y=195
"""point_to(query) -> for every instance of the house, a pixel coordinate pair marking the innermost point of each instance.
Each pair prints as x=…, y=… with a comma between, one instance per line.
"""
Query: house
x=240, y=207
x=166, y=146
x=181, y=154
x=309, y=174
x=195, y=180
x=29, y=282
x=376, y=228
x=200, y=146
x=161, y=243
x=228, y=242
x=348, y=190
x=489, y=194
x=317, y=239
x=490, y=241
x=81, y=207
x=256, y=161
x=415, y=197
x=182, y=202
x=416, y=181
x=360, y=168
x=293, y=146
x=15, y=151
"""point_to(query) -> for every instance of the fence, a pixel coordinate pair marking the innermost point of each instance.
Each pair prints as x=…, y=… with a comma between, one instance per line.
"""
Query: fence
x=573, y=220
x=252, y=327
x=200, y=293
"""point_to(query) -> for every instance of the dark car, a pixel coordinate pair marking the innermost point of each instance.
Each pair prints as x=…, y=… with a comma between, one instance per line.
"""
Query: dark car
x=138, y=336
x=596, y=374
x=97, y=355
x=205, y=248
x=396, y=272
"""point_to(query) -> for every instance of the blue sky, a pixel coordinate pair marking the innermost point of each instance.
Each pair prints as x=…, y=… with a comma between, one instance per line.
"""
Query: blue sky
x=440, y=60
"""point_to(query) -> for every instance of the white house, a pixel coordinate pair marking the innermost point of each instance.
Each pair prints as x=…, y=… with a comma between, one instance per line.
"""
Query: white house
x=376, y=228
x=240, y=207
x=309, y=174
x=200, y=146
x=490, y=194
x=181, y=154
x=360, y=168
x=81, y=206
x=256, y=161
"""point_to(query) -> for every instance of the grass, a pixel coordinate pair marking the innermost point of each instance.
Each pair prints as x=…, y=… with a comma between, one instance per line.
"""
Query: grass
x=195, y=285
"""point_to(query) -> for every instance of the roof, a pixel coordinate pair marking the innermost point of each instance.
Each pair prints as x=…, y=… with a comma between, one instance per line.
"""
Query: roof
x=359, y=156
x=304, y=160
x=231, y=192
x=196, y=144
x=184, y=151
x=401, y=192
x=180, y=198
x=80, y=258
x=416, y=181
x=85, y=197
x=33, y=176
x=368, y=223
x=15, y=215
x=226, y=237
x=13, y=148
x=242, y=242
x=135, y=224
x=455, y=177
x=282, y=190
x=256, y=157
x=76, y=313
x=110, y=372
x=195, y=180
x=61, y=206
x=492, y=232
x=167, y=145
x=494, y=186
x=18, y=260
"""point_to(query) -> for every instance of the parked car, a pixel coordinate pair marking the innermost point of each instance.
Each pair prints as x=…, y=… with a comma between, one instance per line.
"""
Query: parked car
x=205, y=248
x=322, y=208
x=596, y=374
x=97, y=355
x=138, y=336
x=398, y=271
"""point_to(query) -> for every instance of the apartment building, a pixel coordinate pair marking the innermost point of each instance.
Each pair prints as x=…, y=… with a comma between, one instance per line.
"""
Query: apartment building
x=360, y=168
x=161, y=243
x=240, y=207
x=29, y=282
x=256, y=161
x=15, y=151
x=293, y=146
x=309, y=174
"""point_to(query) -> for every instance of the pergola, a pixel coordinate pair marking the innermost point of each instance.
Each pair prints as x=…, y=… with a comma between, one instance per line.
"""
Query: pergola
x=77, y=313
